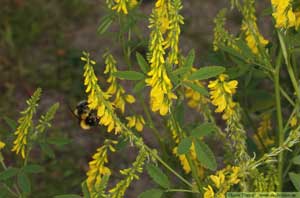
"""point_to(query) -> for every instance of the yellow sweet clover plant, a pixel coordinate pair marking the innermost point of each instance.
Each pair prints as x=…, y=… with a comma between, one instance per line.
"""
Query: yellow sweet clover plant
x=239, y=135
x=172, y=79
x=16, y=176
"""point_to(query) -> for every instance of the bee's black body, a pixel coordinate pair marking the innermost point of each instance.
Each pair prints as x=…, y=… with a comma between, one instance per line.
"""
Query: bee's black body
x=87, y=118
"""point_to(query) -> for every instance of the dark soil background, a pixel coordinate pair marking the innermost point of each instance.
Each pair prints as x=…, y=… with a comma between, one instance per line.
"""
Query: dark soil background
x=40, y=46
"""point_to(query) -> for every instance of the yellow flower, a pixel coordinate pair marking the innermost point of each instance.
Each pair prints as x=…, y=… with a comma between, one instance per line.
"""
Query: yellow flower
x=223, y=180
x=234, y=176
x=265, y=126
x=25, y=122
x=2, y=145
x=115, y=88
x=161, y=92
x=249, y=26
x=136, y=121
x=218, y=180
x=221, y=95
x=172, y=40
x=97, y=99
x=221, y=36
x=183, y=160
x=283, y=14
x=250, y=34
x=97, y=168
x=121, y=6
x=293, y=121
x=209, y=192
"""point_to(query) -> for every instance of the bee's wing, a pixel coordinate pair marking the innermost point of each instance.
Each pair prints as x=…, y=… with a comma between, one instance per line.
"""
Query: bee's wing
x=74, y=112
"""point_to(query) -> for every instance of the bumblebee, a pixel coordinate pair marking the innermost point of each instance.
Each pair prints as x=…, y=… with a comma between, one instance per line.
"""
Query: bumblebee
x=87, y=118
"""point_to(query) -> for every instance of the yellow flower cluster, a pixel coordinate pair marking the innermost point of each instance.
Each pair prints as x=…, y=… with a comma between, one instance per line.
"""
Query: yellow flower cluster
x=221, y=93
x=161, y=93
x=122, y=5
x=25, y=122
x=161, y=9
x=97, y=99
x=221, y=36
x=266, y=181
x=284, y=15
x=263, y=133
x=136, y=121
x=249, y=27
x=172, y=39
x=222, y=181
x=115, y=88
x=130, y=174
x=97, y=168
x=252, y=35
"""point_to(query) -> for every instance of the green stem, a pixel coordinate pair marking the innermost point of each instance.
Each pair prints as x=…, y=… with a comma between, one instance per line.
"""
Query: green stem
x=169, y=168
x=194, y=172
x=287, y=97
x=279, y=122
x=288, y=64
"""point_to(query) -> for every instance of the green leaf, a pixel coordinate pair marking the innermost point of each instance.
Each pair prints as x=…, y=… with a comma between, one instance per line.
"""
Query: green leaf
x=158, y=176
x=205, y=156
x=11, y=123
x=23, y=182
x=203, y=129
x=68, y=196
x=8, y=173
x=190, y=59
x=85, y=190
x=206, y=72
x=295, y=179
x=232, y=52
x=33, y=168
x=142, y=63
x=105, y=22
x=152, y=193
x=129, y=75
x=59, y=141
x=184, y=146
x=203, y=91
x=296, y=160
x=181, y=71
x=138, y=87
x=188, y=64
